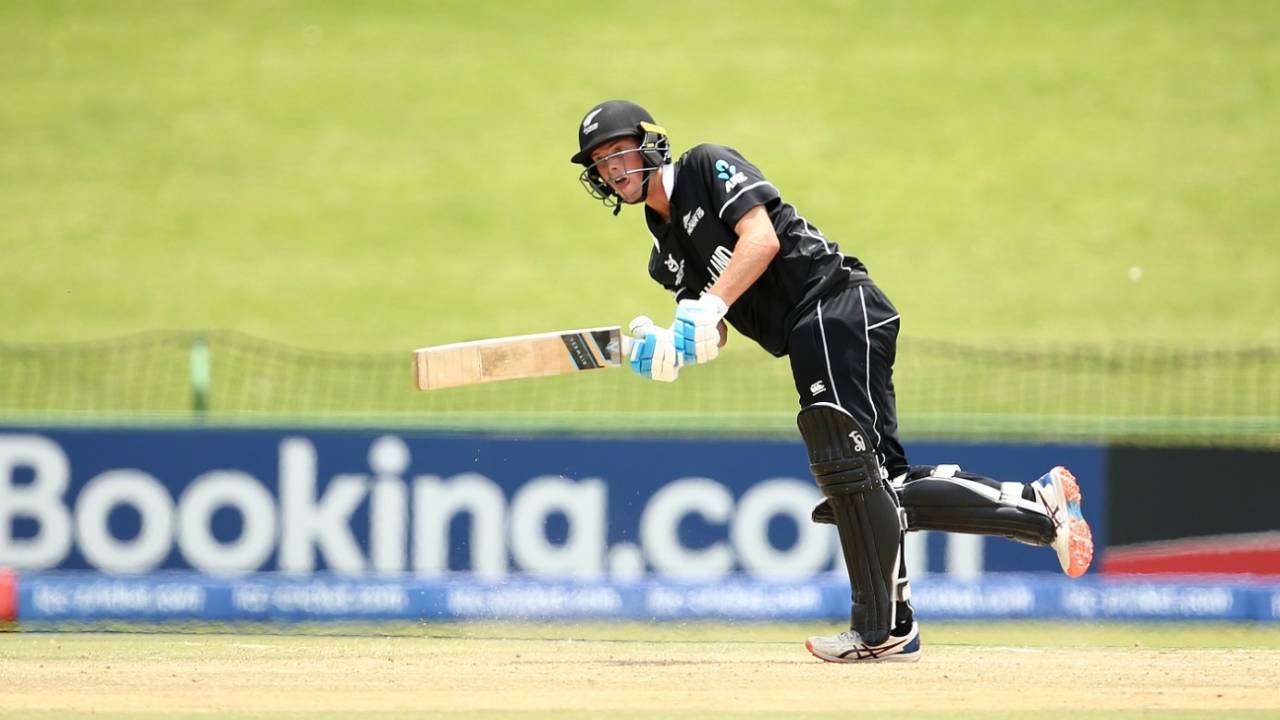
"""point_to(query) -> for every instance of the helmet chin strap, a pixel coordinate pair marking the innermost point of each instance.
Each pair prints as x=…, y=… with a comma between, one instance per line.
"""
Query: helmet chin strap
x=644, y=184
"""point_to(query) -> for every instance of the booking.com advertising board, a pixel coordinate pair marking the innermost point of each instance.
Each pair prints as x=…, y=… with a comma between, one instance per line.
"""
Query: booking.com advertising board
x=465, y=525
x=236, y=501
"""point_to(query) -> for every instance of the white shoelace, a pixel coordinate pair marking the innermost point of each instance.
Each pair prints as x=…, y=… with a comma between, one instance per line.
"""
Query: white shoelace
x=851, y=637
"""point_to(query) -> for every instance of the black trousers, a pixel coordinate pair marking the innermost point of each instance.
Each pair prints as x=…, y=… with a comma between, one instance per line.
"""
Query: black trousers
x=842, y=352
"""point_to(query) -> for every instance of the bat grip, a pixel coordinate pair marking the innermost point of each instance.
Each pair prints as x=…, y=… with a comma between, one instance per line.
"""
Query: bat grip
x=628, y=342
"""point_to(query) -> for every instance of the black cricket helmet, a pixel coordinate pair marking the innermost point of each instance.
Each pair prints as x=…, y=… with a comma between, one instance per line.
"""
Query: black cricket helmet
x=611, y=120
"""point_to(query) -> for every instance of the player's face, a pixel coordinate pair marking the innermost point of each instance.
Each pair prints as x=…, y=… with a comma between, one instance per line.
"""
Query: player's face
x=618, y=163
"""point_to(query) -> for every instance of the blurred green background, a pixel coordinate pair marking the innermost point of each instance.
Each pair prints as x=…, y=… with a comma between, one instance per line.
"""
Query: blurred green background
x=373, y=177
x=383, y=175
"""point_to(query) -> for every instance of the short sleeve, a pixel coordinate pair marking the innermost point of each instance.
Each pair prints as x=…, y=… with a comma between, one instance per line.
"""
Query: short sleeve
x=734, y=184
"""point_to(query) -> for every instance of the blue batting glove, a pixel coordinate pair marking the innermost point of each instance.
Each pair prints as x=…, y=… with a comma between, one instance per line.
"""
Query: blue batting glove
x=653, y=353
x=697, y=328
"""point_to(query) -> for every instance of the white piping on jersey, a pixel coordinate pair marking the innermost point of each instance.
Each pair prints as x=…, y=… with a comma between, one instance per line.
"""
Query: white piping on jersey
x=737, y=195
x=883, y=322
x=826, y=355
x=808, y=229
x=811, y=231
x=866, y=340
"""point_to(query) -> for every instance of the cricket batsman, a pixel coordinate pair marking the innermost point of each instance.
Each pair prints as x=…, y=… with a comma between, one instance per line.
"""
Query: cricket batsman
x=733, y=251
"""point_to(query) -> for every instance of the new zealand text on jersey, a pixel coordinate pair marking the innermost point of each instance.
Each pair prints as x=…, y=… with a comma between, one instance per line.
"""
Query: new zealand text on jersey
x=719, y=261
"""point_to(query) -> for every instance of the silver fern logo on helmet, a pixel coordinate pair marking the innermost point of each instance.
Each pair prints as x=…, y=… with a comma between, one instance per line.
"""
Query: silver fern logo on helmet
x=587, y=126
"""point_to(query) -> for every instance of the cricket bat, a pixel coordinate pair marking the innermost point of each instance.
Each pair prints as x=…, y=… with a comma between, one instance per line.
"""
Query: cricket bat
x=521, y=356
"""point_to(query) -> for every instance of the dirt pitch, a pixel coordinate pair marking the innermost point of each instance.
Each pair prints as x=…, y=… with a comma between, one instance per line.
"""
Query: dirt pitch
x=560, y=671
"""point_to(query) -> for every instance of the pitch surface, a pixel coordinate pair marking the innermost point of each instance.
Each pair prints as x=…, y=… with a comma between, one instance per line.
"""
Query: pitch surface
x=968, y=671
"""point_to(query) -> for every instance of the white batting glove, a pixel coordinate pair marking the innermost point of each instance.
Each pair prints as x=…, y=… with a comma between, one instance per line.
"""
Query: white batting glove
x=697, y=328
x=653, y=355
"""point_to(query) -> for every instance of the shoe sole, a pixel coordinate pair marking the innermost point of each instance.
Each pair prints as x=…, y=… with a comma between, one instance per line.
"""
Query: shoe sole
x=1079, y=534
x=899, y=657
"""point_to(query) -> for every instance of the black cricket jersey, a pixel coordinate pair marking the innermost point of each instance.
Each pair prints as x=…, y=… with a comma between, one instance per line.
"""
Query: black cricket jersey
x=710, y=188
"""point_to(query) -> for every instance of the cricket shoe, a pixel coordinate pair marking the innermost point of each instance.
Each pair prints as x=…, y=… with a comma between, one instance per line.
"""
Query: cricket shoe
x=848, y=647
x=1059, y=492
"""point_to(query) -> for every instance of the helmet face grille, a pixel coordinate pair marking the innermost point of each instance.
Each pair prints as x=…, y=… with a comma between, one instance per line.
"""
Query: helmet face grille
x=597, y=188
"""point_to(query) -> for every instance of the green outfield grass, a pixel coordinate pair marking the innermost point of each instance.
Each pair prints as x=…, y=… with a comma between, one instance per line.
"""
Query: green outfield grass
x=378, y=176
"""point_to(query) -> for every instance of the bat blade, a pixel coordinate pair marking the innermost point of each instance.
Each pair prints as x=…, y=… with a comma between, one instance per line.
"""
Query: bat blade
x=522, y=356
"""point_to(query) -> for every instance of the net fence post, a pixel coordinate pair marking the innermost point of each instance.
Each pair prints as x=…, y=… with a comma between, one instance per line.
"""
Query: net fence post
x=199, y=377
